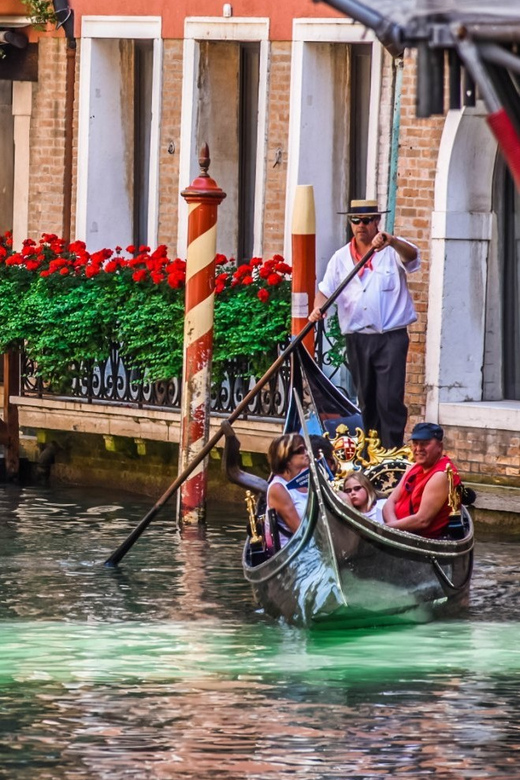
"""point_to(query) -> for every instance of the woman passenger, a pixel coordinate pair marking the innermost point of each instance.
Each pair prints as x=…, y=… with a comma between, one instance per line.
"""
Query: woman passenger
x=361, y=493
x=287, y=456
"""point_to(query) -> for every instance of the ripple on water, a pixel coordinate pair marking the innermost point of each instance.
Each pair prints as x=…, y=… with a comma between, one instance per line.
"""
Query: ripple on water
x=164, y=667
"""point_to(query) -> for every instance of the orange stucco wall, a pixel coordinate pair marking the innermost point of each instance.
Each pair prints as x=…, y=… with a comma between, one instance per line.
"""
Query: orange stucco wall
x=173, y=14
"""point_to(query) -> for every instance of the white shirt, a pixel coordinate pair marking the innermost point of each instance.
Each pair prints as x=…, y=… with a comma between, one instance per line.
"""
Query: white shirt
x=377, y=301
x=299, y=499
x=376, y=511
x=300, y=502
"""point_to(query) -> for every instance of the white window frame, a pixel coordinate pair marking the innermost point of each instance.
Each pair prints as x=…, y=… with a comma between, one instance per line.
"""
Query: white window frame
x=124, y=28
x=240, y=29
x=463, y=225
x=328, y=31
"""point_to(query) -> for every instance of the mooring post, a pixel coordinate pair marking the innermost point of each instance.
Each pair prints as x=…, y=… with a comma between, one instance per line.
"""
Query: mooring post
x=303, y=261
x=10, y=429
x=203, y=197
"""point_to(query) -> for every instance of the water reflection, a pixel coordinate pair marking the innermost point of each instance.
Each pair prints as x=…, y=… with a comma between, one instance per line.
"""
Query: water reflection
x=164, y=668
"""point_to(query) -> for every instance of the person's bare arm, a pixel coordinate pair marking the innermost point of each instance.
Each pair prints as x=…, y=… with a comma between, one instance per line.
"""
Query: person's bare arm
x=407, y=252
x=281, y=501
x=316, y=314
x=432, y=501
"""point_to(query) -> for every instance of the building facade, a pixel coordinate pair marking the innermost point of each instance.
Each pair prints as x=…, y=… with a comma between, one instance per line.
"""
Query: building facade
x=101, y=143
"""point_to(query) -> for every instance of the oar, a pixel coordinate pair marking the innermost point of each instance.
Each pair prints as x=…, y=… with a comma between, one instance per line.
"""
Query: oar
x=136, y=533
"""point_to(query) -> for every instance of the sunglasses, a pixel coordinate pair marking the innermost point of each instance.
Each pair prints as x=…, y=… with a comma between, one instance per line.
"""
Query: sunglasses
x=354, y=489
x=364, y=220
x=301, y=450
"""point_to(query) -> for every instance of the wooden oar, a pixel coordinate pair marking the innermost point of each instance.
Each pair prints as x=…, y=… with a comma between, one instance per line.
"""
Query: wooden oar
x=136, y=533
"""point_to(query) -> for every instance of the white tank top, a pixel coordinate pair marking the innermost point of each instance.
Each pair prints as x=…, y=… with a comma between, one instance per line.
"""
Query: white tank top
x=299, y=499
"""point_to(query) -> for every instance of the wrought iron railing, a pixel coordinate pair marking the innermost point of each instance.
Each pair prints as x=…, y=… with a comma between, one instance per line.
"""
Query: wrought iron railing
x=111, y=382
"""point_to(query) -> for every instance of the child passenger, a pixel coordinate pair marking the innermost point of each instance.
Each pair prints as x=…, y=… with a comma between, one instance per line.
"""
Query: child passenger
x=363, y=496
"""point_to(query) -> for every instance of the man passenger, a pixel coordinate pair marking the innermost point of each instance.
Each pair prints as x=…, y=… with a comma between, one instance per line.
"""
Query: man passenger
x=419, y=503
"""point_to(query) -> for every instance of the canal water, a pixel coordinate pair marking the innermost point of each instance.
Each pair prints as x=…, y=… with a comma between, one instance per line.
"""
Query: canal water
x=164, y=667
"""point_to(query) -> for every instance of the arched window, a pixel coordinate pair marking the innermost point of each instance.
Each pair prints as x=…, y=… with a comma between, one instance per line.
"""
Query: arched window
x=502, y=361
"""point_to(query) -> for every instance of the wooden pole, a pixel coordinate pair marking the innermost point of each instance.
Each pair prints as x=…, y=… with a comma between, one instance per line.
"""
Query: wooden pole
x=203, y=198
x=10, y=433
x=303, y=261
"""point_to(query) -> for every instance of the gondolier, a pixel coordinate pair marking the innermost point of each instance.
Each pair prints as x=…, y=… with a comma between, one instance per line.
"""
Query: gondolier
x=374, y=312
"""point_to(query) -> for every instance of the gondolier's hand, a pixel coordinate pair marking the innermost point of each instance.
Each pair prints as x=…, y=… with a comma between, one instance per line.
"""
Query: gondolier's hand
x=316, y=314
x=406, y=251
x=381, y=240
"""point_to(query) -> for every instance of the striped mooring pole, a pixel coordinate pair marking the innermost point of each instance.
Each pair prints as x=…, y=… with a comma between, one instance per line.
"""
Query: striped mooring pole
x=203, y=197
x=303, y=245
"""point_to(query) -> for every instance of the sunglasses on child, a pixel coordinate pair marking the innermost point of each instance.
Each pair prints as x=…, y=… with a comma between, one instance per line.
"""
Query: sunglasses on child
x=364, y=220
x=354, y=489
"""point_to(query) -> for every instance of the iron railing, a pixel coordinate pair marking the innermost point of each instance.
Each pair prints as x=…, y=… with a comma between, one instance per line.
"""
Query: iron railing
x=111, y=382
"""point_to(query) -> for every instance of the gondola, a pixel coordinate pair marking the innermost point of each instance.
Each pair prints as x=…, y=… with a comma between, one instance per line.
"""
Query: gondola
x=341, y=569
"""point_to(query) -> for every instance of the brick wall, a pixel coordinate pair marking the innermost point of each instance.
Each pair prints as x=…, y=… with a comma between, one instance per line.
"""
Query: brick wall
x=47, y=140
x=277, y=135
x=170, y=132
x=418, y=153
x=486, y=456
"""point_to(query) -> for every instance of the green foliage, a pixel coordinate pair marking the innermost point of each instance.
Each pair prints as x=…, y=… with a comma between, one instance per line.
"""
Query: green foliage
x=150, y=328
x=337, y=351
x=68, y=309
x=248, y=327
x=41, y=12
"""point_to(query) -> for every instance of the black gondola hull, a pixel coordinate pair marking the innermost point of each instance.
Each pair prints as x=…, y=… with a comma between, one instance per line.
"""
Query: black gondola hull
x=343, y=570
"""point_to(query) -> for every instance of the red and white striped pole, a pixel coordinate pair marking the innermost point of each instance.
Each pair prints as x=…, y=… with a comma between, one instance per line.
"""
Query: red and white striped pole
x=203, y=197
x=303, y=261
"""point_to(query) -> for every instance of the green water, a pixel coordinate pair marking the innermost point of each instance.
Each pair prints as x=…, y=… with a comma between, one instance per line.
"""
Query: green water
x=165, y=668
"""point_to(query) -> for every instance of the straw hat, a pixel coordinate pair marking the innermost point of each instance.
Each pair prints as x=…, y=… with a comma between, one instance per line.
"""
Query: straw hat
x=363, y=208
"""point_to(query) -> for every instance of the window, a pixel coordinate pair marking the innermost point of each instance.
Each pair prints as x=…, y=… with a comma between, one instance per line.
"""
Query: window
x=504, y=287
x=247, y=143
x=119, y=110
x=228, y=122
x=6, y=156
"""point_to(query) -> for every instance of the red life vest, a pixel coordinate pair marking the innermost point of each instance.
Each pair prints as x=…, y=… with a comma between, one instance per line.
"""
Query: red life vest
x=412, y=489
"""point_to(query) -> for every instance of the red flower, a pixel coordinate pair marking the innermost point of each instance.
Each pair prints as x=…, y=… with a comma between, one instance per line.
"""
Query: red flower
x=144, y=249
x=157, y=277
x=91, y=270
x=176, y=279
x=263, y=295
x=242, y=270
x=111, y=266
x=256, y=261
x=160, y=253
x=139, y=276
x=283, y=268
x=247, y=280
x=32, y=265
x=77, y=247
x=274, y=279
x=131, y=249
x=64, y=271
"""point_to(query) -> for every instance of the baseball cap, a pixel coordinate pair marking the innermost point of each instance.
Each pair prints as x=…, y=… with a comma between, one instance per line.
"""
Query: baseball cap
x=425, y=430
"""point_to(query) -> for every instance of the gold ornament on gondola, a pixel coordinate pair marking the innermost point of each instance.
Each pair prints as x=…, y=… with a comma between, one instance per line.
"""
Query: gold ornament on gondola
x=384, y=467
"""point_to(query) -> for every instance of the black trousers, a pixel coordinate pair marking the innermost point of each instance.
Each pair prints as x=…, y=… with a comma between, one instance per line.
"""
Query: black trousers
x=377, y=362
